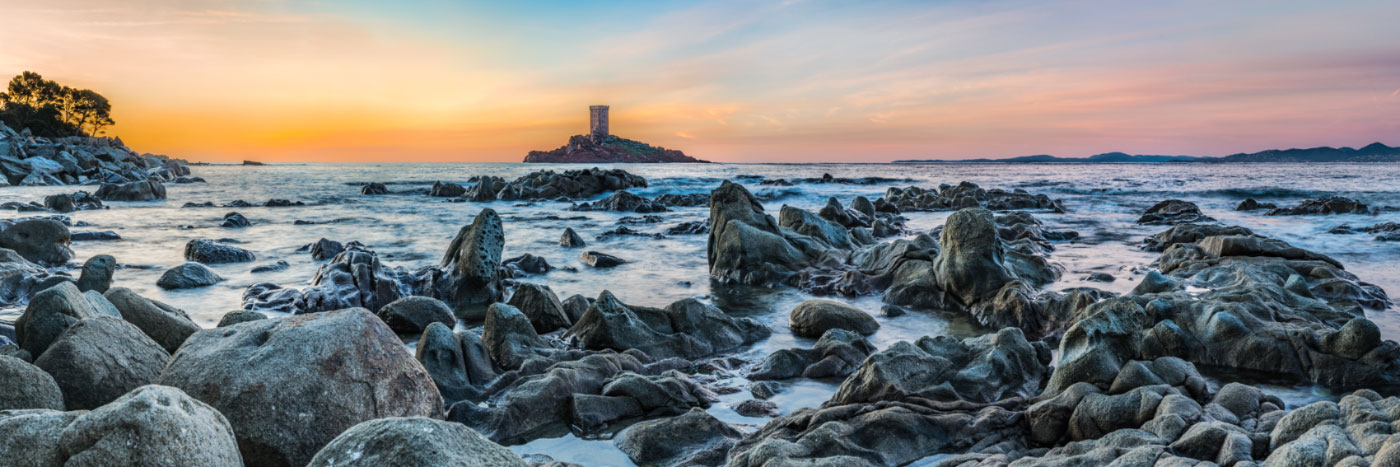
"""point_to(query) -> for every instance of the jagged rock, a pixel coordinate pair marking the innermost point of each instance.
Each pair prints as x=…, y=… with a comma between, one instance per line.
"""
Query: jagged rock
x=173, y=429
x=688, y=228
x=188, y=276
x=600, y=260
x=812, y=318
x=983, y=369
x=235, y=220
x=237, y=317
x=144, y=190
x=686, y=329
x=621, y=201
x=259, y=373
x=97, y=273
x=471, y=264
x=1173, y=212
x=72, y=202
x=413, y=441
x=25, y=386
x=571, y=239
x=167, y=325
x=413, y=314
x=280, y=265
x=43, y=241
x=745, y=245
x=607, y=149
x=696, y=438
x=98, y=359
x=207, y=252
x=527, y=264
x=353, y=278
x=836, y=354
x=509, y=336
x=961, y=196
x=542, y=306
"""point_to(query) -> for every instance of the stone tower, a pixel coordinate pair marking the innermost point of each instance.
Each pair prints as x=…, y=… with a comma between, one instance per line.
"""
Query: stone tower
x=598, y=121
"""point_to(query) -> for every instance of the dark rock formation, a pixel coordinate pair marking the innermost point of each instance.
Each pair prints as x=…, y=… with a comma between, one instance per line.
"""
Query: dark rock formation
x=25, y=386
x=1320, y=206
x=207, y=252
x=836, y=354
x=167, y=325
x=621, y=201
x=1173, y=212
x=374, y=189
x=188, y=276
x=600, y=260
x=571, y=239
x=143, y=190
x=686, y=329
x=695, y=438
x=813, y=318
x=470, y=265
x=413, y=314
x=608, y=149
x=413, y=441
x=965, y=195
x=235, y=220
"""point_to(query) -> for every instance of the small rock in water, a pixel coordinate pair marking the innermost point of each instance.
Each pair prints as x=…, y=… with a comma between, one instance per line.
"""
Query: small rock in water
x=188, y=276
x=234, y=219
x=325, y=249
x=274, y=267
x=814, y=317
x=571, y=239
x=756, y=408
x=1100, y=277
x=891, y=311
x=600, y=260
x=95, y=236
x=763, y=389
x=207, y=252
x=411, y=315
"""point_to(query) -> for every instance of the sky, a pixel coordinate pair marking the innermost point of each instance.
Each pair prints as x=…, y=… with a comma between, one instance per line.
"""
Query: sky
x=743, y=81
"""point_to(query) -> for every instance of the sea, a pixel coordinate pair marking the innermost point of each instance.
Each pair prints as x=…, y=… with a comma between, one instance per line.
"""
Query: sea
x=410, y=229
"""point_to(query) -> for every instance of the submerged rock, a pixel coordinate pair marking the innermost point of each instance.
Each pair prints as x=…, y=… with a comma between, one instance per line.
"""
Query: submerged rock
x=1322, y=206
x=600, y=260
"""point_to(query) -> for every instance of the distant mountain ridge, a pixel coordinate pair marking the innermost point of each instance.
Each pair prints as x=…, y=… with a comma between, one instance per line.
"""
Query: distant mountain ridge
x=1374, y=152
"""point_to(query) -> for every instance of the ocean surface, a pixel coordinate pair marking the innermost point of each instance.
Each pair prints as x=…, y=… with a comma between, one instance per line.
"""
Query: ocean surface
x=413, y=229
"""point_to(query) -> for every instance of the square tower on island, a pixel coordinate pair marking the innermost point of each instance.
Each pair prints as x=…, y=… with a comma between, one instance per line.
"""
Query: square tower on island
x=598, y=121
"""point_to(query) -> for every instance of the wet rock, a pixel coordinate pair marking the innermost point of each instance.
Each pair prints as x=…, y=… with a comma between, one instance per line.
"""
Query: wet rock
x=374, y=189
x=961, y=196
x=688, y=199
x=43, y=241
x=527, y=264
x=528, y=406
x=207, y=252
x=836, y=354
x=471, y=264
x=696, y=438
x=1173, y=212
x=812, y=318
x=1323, y=206
x=173, y=429
x=509, y=337
x=325, y=249
x=571, y=239
x=542, y=306
x=745, y=245
x=446, y=190
x=1191, y=233
x=25, y=386
x=167, y=325
x=238, y=317
x=98, y=359
x=1250, y=204
x=235, y=220
x=73, y=202
x=97, y=273
x=688, y=228
x=440, y=352
x=413, y=314
x=686, y=329
x=103, y=236
x=982, y=369
x=756, y=408
x=188, y=276
x=573, y=184
x=258, y=375
x=145, y=190
x=413, y=441
x=600, y=260
x=1101, y=277
x=621, y=201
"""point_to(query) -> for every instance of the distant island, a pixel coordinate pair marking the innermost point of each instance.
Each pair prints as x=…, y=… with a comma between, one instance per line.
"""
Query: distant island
x=600, y=147
x=1374, y=152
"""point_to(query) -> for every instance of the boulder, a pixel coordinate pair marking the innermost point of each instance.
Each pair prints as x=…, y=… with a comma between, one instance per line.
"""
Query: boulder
x=446, y=190
x=440, y=352
x=541, y=305
x=188, y=276
x=413, y=442
x=374, y=189
x=25, y=386
x=571, y=239
x=1173, y=212
x=812, y=318
x=696, y=438
x=167, y=325
x=982, y=369
x=43, y=241
x=325, y=249
x=207, y=252
x=97, y=273
x=235, y=317
x=32, y=437
x=235, y=220
x=600, y=260
x=50, y=312
x=413, y=314
x=259, y=373
x=151, y=425
x=471, y=264
x=745, y=245
x=686, y=329
x=100, y=358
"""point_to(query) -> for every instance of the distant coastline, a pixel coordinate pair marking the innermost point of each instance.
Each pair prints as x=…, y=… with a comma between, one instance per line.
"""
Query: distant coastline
x=1374, y=152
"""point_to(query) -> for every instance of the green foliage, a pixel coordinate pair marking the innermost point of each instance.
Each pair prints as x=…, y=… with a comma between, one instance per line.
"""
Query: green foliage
x=632, y=147
x=49, y=109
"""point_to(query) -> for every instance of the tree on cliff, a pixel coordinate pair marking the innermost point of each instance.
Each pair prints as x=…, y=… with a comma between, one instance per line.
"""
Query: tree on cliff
x=49, y=109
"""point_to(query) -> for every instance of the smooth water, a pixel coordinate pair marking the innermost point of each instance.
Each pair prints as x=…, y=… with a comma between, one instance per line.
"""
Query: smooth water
x=412, y=230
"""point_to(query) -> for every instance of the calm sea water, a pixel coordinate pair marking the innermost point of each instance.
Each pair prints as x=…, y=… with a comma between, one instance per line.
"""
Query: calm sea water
x=413, y=230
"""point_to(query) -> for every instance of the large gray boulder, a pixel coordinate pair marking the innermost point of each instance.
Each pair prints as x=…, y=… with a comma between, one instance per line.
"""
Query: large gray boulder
x=32, y=437
x=145, y=190
x=971, y=265
x=262, y=376
x=98, y=359
x=471, y=264
x=154, y=426
x=982, y=369
x=43, y=241
x=50, y=312
x=745, y=245
x=695, y=438
x=812, y=318
x=25, y=386
x=188, y=276
x=167, y=325
x=413, y=442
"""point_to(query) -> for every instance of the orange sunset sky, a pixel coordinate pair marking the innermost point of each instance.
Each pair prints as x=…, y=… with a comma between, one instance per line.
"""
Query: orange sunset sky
x=784, y=81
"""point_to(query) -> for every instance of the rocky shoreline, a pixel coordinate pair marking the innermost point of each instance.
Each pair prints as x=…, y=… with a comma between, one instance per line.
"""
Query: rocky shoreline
x=1079, y=376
